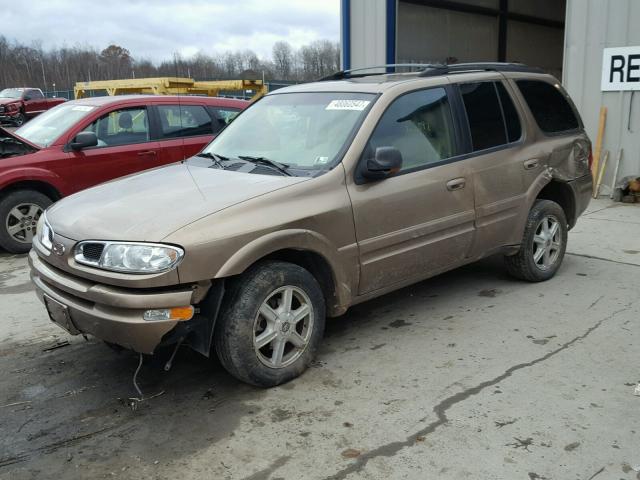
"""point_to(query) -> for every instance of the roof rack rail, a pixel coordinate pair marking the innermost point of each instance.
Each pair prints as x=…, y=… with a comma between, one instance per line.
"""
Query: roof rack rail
x=480, y=67
x=434, y=69
x=351, y=73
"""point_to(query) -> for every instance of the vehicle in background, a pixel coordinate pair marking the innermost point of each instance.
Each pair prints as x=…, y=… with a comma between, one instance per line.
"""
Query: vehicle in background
x=85, y=142
x=349, y=188
x=17, y=105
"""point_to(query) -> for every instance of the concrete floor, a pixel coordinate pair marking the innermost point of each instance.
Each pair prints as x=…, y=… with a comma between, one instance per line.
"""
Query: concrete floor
x=467, y=375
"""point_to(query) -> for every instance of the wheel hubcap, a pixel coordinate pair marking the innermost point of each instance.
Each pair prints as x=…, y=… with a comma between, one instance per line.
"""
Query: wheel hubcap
x=547, y=242
x=22, y=220
x=283, y=327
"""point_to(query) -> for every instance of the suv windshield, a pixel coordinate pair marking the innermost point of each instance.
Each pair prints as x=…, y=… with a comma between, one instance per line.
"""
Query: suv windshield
x=305, y=132
x=11, y=93
x=45, y=129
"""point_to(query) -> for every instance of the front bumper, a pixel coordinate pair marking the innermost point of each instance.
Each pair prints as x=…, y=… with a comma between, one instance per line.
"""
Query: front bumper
x=8, y=116
x=110, y=313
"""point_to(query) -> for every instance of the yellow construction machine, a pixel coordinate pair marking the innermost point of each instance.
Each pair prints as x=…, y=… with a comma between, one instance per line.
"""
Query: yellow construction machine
x=170, y=86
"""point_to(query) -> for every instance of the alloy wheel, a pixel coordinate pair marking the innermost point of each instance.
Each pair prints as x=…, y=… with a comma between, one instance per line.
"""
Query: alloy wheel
x=547, y=242
x=283, y=327
x=22, y=220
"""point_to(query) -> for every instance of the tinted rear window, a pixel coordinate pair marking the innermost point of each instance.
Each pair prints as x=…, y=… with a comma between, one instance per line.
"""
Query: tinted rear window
x=514, y=130
x=184, y=121
x=484, y=115
x=548, y=106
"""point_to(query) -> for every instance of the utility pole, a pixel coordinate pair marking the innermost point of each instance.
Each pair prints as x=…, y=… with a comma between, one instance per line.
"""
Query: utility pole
x=44, y=78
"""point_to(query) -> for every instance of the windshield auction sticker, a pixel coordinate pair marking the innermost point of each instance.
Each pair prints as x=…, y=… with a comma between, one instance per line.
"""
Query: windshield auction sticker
x=348, y=105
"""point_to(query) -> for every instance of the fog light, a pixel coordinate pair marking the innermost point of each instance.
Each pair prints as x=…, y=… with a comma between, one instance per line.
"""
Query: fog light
x=176, y=313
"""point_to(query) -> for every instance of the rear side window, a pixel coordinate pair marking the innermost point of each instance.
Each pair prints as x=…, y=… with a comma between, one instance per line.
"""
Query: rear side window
x=511, y=119
x=227, y=114
x=484, y=115
x=548, y=106
x=184, y=121
x=420, y=125
x=35, y=94
x=223, y=116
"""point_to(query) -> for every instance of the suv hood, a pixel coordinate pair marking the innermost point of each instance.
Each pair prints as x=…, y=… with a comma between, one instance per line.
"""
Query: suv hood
x=13, y=146
x=151, y=205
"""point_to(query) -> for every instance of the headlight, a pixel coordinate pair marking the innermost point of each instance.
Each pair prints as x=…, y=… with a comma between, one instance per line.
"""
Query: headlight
x=45, y=231
x=128, y=257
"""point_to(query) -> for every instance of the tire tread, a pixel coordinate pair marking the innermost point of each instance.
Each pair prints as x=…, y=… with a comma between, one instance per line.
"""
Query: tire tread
x=7, y=202
x=232, y=323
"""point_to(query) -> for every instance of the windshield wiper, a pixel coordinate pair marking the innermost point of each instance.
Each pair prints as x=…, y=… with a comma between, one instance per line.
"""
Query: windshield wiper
x=217, y=159
x=281, y=167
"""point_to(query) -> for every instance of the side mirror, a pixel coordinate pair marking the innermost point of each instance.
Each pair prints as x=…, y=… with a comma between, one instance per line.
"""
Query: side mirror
x=26, y=98
x=386, y=162
x=84, y=140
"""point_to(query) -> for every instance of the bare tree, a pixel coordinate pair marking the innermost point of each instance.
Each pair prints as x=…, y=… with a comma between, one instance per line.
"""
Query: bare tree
x=117, y=60
x=283, y=59
x=31, y=65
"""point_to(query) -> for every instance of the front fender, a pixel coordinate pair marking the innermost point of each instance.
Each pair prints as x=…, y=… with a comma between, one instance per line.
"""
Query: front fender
x=13, y=107
x=294, y=239
x=34, y=174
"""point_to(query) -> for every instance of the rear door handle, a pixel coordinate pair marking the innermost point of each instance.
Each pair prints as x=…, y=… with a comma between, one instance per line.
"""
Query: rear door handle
x=456, y=184
x=530, y=164
x=147, y=152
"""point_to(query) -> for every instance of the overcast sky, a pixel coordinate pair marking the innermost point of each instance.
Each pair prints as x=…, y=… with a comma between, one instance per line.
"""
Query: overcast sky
x=154, y=29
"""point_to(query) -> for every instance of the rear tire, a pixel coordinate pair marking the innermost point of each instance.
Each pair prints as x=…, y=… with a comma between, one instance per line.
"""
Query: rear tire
x=19, y=214
x=543, y=244
x=271, y=324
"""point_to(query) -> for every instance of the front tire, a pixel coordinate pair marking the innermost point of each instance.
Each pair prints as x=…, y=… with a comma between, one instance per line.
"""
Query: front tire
x=19, y=120
x=19, y=214
x=271, y=324
x=543, y=244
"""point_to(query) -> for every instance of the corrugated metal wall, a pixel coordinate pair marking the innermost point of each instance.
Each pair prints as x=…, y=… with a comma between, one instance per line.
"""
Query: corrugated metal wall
x=435, y=34
x=591, y=26
x=368, y=33
x=432, y=32
x=431, y=35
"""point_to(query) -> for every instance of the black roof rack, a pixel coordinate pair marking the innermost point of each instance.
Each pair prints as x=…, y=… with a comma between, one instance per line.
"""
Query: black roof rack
x=434, y=69
x=342, y=74
x=478, y=67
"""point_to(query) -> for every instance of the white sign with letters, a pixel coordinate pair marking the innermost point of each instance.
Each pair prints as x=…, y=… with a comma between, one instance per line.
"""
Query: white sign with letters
x=621, y=69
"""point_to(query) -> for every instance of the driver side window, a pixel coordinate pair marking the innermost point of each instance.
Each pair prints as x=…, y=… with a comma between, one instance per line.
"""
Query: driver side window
x=420, y=125
x=121, y=127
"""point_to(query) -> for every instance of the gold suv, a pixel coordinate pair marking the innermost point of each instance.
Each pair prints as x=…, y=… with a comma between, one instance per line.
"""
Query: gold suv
x=318, y=197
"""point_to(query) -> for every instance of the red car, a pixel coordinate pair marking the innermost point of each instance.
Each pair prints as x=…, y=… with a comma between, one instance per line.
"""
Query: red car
x=85, y=142
x=17, y=105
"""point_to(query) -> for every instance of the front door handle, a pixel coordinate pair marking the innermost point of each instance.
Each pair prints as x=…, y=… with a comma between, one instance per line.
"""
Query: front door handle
x=456, y=184
x=147, y=152
x=531, y=164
